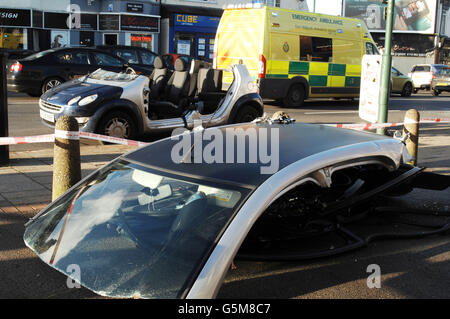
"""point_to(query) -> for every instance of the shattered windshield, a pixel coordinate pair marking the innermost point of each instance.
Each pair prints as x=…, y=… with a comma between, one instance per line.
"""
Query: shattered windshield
x=101, y=74
x=134, y=232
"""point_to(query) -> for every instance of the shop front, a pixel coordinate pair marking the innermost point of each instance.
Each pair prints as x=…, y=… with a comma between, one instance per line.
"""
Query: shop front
x=194, y=35
x=14, y=25
x=37, y=30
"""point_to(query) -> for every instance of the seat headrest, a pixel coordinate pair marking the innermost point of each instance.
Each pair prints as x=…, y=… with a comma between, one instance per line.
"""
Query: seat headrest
x=158, y=63
x=180, y=65
x=196, y=65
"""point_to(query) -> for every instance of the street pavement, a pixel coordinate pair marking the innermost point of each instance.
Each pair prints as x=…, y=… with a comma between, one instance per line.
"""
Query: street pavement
x=413, y=268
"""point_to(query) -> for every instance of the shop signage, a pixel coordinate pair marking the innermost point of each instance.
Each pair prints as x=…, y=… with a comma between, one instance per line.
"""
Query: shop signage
x=15, y=17
x=141, y=38
x=109, y=22
x=37, y=19
x=135, y=7
x=56, y=20
x=195, y=20
x=89, y=21
x=139, y=23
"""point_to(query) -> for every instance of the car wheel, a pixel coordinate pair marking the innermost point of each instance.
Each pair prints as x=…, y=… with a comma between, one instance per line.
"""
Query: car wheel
x=295, y=96
x=117, y=124
x=247, y=113
x=50, y=84
x=435, y=92
x=407, y=89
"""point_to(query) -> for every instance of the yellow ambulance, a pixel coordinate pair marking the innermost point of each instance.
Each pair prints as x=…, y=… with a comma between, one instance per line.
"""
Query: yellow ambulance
x=294, y=55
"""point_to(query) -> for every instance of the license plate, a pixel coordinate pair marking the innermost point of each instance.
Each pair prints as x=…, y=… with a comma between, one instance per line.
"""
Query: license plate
x=49, y=117
x=442, y=84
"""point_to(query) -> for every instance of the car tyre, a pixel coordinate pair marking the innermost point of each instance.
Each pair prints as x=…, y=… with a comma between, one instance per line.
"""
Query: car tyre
x=50, y=84
x=407, y=89
x=295, y=96
x=118, y=124
x=246, y=113
x=435, y=92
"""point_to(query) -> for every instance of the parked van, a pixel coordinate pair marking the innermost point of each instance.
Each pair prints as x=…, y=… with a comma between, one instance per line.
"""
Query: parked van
x=292, y=54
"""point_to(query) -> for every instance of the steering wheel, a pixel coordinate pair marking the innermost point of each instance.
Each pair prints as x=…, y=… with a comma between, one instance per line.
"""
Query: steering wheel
x=130, y=70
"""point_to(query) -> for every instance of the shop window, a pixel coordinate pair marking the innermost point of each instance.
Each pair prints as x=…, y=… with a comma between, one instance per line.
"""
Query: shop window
x=143, y=41
x=13, y=38
x=273, y=3
x=73, y=58
x=316, y=49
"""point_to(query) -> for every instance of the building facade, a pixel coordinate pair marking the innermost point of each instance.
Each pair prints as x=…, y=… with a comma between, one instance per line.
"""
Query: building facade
x=41, y=24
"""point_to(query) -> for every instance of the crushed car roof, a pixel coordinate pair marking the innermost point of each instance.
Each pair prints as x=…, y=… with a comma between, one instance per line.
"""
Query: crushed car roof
x=296, y=141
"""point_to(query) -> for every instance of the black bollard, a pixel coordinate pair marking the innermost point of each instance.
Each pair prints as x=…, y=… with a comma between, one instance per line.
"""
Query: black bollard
x=4, y=149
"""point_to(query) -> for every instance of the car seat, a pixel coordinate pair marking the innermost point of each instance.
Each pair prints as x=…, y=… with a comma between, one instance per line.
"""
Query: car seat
x=209, y=89
x=158, y=79
x=175, y=98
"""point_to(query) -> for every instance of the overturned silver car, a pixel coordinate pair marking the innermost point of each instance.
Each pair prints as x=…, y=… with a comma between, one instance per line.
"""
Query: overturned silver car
x=167, y=220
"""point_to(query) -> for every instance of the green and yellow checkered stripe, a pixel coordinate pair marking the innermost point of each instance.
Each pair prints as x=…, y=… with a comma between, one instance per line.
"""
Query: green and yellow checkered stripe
x=318, y=74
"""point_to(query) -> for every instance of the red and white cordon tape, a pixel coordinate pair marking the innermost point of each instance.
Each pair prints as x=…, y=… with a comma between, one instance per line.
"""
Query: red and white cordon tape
x=116, y=140
x=372, y=126
x=68, y=135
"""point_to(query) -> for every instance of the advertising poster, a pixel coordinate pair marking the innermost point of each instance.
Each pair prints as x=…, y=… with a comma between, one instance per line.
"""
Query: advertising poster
x=60, y=39
x=184, y=47
x=409, y=15
x=370, y=88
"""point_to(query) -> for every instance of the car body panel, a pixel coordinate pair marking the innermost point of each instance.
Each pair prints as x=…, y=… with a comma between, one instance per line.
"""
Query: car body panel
x=203, y=281
x=422, y=74
x=441, y=81
x=399, y=81
x=47, y=65
x=242, y=92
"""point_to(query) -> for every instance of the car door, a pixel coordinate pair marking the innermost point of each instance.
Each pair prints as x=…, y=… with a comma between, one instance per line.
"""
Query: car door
x=73, y=64
x=107, y=61
x=397, y=80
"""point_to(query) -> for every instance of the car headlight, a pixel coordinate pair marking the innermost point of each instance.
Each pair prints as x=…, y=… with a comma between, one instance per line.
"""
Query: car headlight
x=74, y=100
x=88, y=99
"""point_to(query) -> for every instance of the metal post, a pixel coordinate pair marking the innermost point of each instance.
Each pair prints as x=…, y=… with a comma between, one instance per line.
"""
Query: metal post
x=411, y=127
x=4, y=149
x=386, y=68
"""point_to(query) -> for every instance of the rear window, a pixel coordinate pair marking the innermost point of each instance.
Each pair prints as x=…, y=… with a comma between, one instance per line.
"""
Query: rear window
x=443, y=71
x=421, y=68
x=38, y=55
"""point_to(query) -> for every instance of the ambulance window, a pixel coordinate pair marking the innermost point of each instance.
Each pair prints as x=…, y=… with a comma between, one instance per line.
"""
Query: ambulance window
x=371, y=49
x=316, y=49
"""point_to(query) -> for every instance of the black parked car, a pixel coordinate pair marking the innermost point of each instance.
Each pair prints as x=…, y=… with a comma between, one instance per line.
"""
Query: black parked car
x=42, y=71
x=140, y=59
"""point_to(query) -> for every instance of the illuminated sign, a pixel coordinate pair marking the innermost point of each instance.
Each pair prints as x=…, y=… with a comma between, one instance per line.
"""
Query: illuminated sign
x=139, y=38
